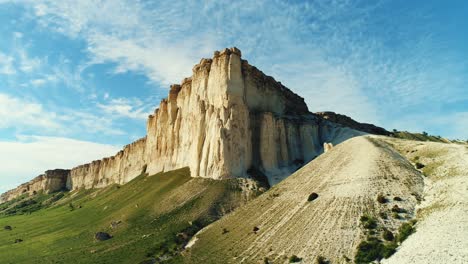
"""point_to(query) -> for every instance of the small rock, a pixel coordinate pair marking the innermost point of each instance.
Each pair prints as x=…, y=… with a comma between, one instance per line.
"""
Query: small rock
x=9, y=228
x=102, y=236
x=115, y=224
x=327, y=147
x=312, y=197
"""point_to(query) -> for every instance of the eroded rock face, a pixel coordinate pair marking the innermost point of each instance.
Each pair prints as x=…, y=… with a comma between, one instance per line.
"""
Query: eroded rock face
x=50, y=181
x=121, y=168
x=225, y=120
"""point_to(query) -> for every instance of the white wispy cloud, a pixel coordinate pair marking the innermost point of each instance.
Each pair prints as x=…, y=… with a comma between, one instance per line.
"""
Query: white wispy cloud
x=27, y=63
x=6, y=64
x=29, y=156
x=127, y=36
x=29, y=115
x=16, y=112
x=346, y=56
x=133, y=108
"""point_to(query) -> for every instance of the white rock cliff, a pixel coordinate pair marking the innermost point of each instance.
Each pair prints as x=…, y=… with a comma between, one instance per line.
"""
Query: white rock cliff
x=225, y=121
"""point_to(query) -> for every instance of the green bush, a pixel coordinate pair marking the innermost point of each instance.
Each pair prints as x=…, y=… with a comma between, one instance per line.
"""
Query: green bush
x=383, y=215
x=294, y=259
x=368, y=222
x=419, y=165
x=397, y=209
x=369, y=251
x=381, y=199
x=388, y=235
x=389, y=249
x=405, y=231
x=373, y=249
x=322, y=260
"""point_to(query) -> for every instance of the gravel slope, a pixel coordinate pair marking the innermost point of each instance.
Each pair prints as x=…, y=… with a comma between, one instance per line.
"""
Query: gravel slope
x=442, y=229
x=347, y=179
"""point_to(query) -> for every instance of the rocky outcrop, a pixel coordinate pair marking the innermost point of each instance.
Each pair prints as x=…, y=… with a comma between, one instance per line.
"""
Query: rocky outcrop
x=349, y=122
x=327, y=147
x=227, y=119
x=50, y=181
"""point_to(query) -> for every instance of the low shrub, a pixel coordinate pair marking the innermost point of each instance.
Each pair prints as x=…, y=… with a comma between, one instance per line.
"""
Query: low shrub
x=405, y=231
x=419, y=165
x=388, y=235
x=383, y=215
x=373, y=249
x=368, y=222
x=381, y=199
x=389, y=249
x=398, y=199
x=321, y=260
x=294, y=259
x=369, y=251
x=397, y=209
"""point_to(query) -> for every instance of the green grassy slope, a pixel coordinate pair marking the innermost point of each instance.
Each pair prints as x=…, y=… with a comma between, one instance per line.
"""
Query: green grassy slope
x=419, y=137
x=158, y=215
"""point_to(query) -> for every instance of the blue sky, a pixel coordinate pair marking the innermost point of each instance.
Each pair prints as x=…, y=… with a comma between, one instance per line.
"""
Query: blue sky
x=78, y=78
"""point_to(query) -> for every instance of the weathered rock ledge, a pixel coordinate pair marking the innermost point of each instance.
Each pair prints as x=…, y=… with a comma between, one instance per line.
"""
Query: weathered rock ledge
x=50, y=181
x=349, y=122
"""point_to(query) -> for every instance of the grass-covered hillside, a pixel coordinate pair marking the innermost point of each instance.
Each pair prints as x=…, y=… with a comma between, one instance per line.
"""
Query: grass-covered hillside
x=419, y=136
x=149, y=219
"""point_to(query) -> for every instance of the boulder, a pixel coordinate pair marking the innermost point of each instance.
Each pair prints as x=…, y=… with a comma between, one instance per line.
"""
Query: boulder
x=102, y=236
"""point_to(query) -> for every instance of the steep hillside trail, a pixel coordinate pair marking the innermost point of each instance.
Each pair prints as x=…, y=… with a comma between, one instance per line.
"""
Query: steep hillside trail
x=442, y=228
x=282, y=222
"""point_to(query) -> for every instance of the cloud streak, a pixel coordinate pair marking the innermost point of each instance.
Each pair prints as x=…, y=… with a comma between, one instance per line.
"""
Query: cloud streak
x=29, y=156
x=6, y=64
x=352, y=57
x=28, y=116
